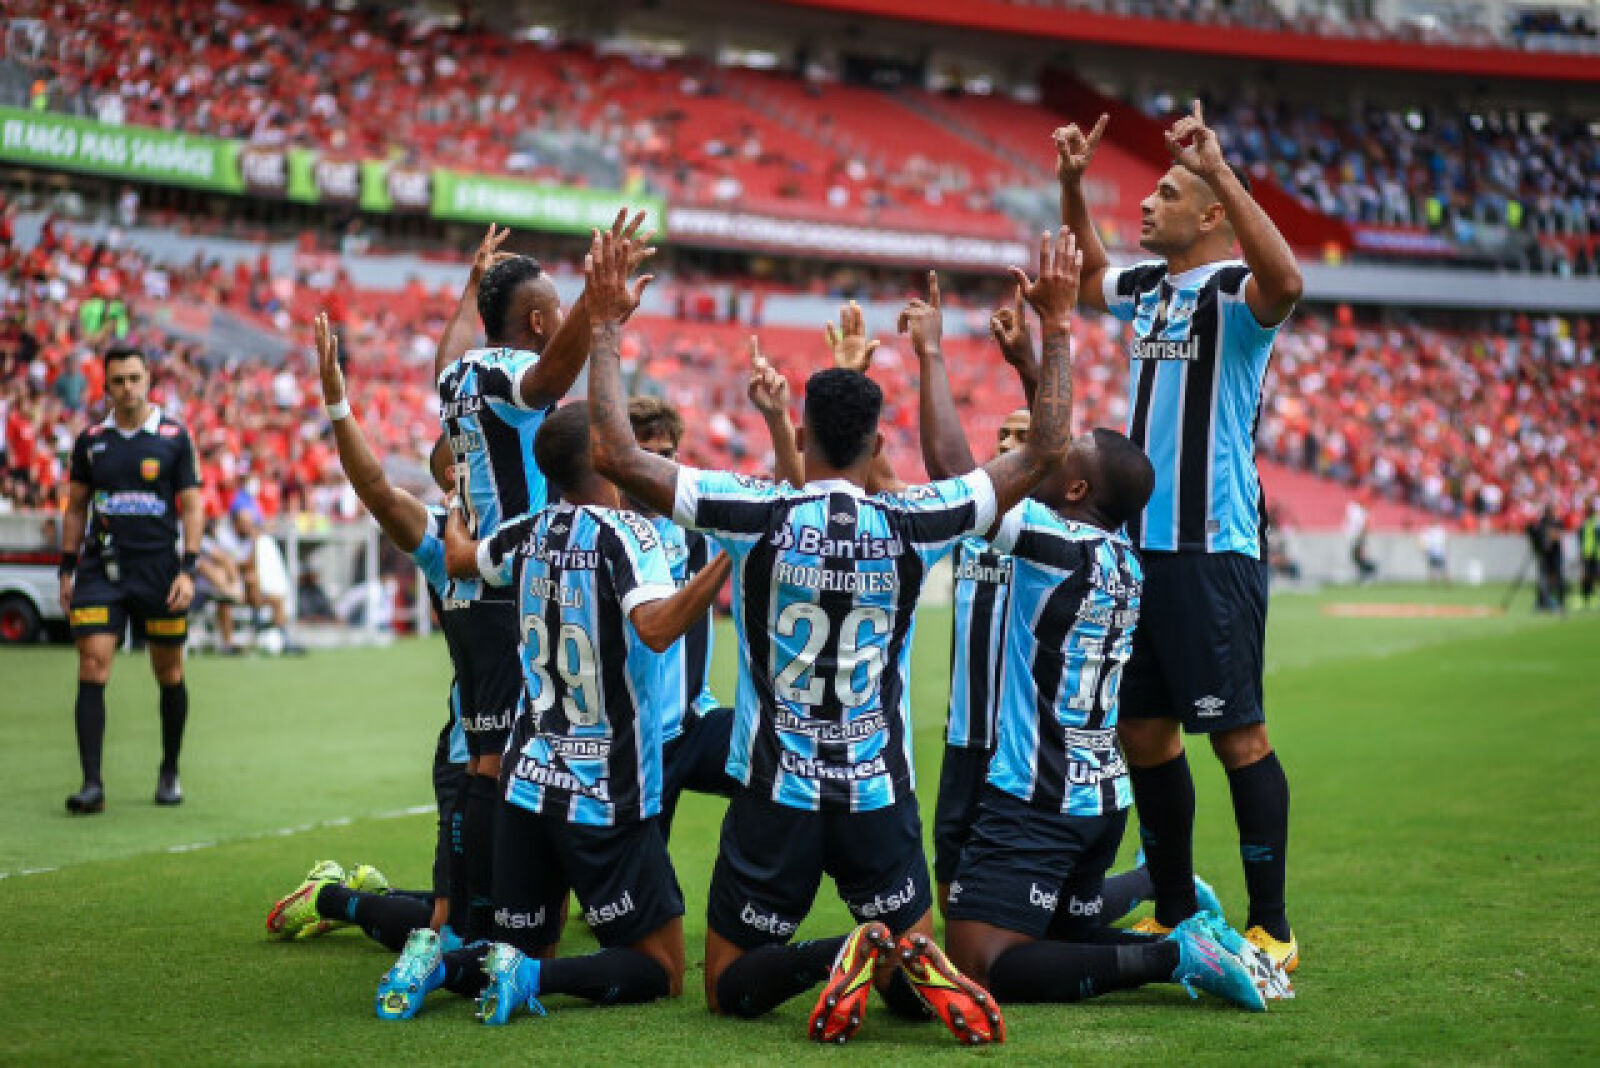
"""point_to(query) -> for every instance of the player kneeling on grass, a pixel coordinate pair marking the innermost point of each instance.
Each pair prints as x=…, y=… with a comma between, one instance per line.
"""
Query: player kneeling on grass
x=1025, y=905
x=582, y=779
x=827, y=579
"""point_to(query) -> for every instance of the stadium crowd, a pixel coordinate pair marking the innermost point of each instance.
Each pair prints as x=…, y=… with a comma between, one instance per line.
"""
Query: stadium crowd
x=1477, y=425
x=361, y=85
x=1449, y=171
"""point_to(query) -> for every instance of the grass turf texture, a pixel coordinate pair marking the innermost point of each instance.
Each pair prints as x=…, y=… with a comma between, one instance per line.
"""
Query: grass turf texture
x=1442, y=868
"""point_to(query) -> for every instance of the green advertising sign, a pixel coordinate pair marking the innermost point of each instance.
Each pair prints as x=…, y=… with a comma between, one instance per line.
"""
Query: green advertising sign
x=511, y=202
x=60, y=142
x=43, y=139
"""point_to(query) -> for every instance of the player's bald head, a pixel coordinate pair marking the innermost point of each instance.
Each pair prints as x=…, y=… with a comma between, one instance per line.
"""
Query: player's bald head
x=441, y=464
x=1117, y=475
x=511, y=294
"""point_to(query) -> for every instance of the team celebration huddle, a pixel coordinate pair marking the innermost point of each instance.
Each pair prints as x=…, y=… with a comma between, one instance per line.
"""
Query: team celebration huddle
x=1110, y=597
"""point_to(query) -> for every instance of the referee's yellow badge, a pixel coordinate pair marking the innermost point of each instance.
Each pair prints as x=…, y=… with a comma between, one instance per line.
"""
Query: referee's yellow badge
x=150, y=469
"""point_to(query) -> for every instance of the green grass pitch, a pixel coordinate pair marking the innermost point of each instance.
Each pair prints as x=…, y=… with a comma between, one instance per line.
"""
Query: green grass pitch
x=1443, y=866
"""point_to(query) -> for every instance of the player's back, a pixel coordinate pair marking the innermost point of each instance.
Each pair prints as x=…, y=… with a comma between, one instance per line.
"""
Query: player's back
x=980, y=598
x=490, y=433
x=1075, y=593
x=587, y=739
x=826, y=583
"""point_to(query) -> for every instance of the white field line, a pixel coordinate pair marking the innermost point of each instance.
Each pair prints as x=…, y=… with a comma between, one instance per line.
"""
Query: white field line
x=254, y=836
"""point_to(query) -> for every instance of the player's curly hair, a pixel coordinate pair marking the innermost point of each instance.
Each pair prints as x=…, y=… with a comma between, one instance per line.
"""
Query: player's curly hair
x=652, y=415
x=841, y=414
x=499, y=285
x=561, y=447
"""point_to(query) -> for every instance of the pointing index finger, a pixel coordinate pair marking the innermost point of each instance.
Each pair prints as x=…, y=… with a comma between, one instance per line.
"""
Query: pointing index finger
x=1099, y=128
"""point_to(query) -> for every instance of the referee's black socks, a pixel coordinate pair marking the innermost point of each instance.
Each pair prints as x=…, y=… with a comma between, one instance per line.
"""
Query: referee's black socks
x=1261, y=807
x=89, y=716
x=767, y=976
x=1164, y=795
x=174, y=714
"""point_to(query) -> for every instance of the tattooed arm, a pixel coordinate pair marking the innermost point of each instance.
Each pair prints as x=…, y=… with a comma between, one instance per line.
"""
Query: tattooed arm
x=1052, y=295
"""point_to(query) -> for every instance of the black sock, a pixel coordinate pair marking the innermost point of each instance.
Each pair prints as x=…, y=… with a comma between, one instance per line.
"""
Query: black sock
x=1164, y=795
x=767, y=976
x=902, y=999
x=1261, y=808
x=388, y=920
x=463, y=970
x=1066, y=971
x=609, y=977
x=174, y=714
x=476, y=916
x=1123, y=891
x=89, y=714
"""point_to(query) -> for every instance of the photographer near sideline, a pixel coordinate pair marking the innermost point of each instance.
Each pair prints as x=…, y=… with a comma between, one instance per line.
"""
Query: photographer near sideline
x=134, y=481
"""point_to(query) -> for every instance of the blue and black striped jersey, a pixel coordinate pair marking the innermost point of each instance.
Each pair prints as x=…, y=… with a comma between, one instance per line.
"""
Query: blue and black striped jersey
x=491, y=436
x=429, y=558
x=1075, y=593
x=1199, y=362
x=982, y=592
x=825, y=587
x=686, y=667
x=587, y=739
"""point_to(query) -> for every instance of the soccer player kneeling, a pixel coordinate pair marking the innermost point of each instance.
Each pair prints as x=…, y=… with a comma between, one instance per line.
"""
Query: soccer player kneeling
x=582, y=780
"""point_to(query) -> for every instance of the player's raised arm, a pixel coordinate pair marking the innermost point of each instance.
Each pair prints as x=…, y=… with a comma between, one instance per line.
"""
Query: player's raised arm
x=852, y=350
x=402, y=517
x=769, y=392
x=461, y=331
x=1008, y=325
x=650, y=479
x=1074, y=150
x=565, y=353
x=1053, y=295
x=660, y=623
x=1275, y=282
x=945, y=450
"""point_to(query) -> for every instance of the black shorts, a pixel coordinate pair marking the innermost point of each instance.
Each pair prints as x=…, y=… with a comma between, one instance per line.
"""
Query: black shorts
x=1198, y=651
x=449, y=779
x=489, y=672
x=961, y=782
x=621, y=875
x=100, y=606
x=697, y=760
x=1034, y=872
x=772, y=858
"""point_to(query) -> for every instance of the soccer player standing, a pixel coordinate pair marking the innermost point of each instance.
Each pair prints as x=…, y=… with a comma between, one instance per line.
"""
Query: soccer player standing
x=134, y=482
x=827, y=580
x=1203, y=324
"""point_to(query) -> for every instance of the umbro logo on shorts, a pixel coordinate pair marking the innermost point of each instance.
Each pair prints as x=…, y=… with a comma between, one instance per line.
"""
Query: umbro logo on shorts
x=1209, y=706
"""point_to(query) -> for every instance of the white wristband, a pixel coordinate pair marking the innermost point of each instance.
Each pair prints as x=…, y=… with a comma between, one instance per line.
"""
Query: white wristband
x=338, y=411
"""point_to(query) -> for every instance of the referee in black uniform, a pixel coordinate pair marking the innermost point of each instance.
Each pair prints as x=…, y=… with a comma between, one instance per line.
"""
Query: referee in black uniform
x=133, y=479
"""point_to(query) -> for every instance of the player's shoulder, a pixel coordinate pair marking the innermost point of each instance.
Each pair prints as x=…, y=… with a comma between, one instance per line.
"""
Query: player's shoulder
x=630, y=526
x=1229, y=277
x=1141, y=276
x=171, y=429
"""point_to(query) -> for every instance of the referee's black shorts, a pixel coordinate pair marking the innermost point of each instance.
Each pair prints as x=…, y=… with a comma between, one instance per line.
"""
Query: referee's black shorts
x=1198, y=651
x=100, y=606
